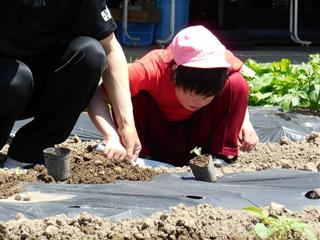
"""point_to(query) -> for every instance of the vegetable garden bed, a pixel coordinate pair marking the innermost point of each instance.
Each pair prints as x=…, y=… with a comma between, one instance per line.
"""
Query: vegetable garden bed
x=200, y=222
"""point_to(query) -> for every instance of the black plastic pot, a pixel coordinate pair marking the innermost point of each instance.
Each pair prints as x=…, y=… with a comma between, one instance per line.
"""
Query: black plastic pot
x=203, y=168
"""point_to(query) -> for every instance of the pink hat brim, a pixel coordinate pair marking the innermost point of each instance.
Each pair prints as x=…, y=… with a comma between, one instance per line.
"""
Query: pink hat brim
x=207, y=63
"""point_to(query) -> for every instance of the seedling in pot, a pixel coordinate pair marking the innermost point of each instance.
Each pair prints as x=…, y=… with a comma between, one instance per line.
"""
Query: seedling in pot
x=202, y=166
x=278, y=227
x=200, y=159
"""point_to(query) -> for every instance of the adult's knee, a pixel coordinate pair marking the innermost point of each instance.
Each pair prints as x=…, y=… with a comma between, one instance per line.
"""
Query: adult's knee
x=16, y=83
x=89, y=51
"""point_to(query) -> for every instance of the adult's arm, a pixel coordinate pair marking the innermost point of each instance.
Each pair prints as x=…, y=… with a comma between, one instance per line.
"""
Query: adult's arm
x=116, y=85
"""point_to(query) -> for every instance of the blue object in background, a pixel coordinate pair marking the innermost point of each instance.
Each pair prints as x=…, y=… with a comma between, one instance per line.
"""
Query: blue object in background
x=144, y=31
x=181, y=20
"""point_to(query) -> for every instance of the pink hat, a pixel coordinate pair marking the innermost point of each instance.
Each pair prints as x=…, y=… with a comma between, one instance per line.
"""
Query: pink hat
x=197, y=47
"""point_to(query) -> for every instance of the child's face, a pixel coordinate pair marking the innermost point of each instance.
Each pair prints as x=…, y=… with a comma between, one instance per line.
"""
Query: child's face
x=192, y=101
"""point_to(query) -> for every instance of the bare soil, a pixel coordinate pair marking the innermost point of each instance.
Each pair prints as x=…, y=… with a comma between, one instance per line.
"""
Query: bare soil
x=200, y=222
x=87, y=167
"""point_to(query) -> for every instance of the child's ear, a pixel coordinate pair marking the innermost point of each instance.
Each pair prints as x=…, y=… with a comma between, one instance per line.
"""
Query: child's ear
x=174, y=73
x=174, y=67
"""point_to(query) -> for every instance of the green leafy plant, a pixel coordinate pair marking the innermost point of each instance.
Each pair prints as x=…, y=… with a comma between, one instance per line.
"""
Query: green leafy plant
x=278, y=227
x=196, y=150
x=287, y=85
x=18, y=170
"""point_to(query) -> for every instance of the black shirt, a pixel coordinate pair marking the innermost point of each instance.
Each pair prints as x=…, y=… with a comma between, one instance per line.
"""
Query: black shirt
x=32, y=27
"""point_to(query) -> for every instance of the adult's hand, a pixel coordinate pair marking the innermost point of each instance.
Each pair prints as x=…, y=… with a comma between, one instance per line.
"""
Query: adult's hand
x=116, y=84
x=131, y=142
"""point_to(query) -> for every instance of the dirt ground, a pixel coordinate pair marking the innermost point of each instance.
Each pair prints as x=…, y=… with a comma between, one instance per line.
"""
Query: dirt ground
x=200, y=222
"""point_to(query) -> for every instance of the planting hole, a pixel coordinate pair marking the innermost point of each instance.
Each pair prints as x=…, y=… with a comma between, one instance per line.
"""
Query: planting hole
x=194, y=197
x=75, y=206
x=313, y=194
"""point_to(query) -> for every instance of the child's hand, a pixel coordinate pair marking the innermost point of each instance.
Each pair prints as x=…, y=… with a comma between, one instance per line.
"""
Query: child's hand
x=114, y=149
x=248, y=138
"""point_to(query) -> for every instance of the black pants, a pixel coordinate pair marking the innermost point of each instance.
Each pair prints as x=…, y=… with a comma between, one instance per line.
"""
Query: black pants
x=53, y=89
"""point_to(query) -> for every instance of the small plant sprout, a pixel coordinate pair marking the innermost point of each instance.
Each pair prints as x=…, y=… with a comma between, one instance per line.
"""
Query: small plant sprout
x=278, y=227
x=196, y=150
x=18, y=170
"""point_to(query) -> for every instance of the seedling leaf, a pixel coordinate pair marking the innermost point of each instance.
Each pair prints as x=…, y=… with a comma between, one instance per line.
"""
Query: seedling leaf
x=278, y=227
x=262, y=231
x=196, y=150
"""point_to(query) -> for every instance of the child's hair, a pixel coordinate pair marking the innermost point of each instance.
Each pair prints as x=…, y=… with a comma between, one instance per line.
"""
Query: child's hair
x=202, y=81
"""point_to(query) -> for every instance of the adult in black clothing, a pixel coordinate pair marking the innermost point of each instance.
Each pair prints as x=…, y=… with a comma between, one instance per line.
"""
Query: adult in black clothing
x=52, y=55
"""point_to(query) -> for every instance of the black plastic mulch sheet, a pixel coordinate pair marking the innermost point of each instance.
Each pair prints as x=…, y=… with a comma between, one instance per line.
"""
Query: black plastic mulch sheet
x=270, y=124
x=125, y=199
x=83, y=128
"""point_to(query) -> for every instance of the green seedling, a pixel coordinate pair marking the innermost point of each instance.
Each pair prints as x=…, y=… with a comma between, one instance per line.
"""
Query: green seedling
x=18, y=170
x=196, y=150
x=278, y=227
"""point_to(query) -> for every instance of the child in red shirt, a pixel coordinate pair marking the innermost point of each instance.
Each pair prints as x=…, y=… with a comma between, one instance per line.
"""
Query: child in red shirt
x=184, y=96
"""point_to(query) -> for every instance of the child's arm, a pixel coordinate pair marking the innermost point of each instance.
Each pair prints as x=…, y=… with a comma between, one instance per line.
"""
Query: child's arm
x=100, y=115
x=245, y=70
x=248, y=138
x=237, y=65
